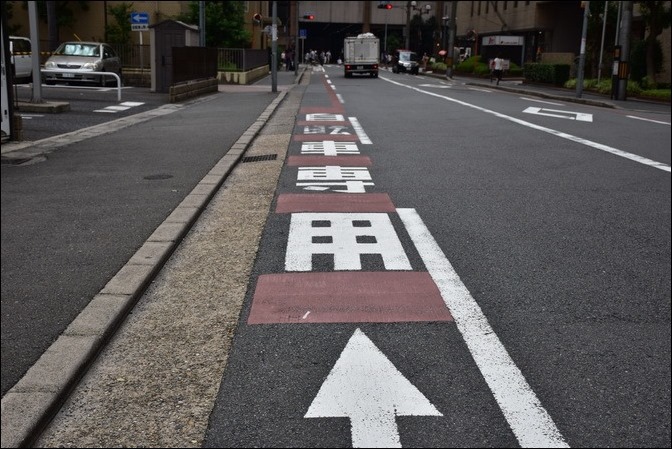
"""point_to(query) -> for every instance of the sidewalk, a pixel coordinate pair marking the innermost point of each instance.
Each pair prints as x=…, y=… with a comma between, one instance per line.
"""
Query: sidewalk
x=517, y=85
x=25, y=148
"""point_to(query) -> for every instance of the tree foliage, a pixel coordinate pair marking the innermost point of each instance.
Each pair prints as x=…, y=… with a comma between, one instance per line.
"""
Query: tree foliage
x=65, y=12
x=224, y=23
x=656, y=16
x=119, y=32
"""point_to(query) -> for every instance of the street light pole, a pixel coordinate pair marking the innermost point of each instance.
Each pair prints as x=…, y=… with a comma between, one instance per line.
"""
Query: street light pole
x=604, y=27
x=451, y=39
x=408, y=25
x=385, y=40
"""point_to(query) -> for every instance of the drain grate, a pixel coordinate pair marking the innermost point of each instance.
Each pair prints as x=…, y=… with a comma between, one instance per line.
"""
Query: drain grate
x=158, y=177
x=265, y=157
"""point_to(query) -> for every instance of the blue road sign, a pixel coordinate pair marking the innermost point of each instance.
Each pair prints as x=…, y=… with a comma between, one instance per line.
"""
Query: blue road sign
x=303, y=32
x=139, y=18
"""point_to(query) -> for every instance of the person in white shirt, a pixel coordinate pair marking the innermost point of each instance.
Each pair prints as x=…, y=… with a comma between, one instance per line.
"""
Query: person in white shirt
x=499, y=63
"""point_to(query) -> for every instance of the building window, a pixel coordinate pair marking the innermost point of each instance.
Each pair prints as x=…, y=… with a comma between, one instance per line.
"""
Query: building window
x=505, y=5
x=487, y=7
x=479, y=8
x=472, y=9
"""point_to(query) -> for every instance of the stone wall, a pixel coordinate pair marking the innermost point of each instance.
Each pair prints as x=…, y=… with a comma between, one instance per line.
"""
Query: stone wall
x=189, y=89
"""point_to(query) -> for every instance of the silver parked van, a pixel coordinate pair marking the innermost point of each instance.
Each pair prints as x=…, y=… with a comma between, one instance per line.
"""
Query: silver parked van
x=22, y=59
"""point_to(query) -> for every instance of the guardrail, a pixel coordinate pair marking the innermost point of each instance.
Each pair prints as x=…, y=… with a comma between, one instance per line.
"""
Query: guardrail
x=79, y=72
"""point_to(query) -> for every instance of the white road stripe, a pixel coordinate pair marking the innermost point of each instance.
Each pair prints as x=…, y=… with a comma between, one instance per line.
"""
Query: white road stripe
x=360, y=131
x=590, y=143
x=530, y=422
x=648, y=120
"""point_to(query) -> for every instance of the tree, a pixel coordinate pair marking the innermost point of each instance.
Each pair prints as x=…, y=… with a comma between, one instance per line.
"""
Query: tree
x=224, y=23
x=62, y=11
x=9, y=13
x=656, y=16
x=120, y=31
x=594, y=35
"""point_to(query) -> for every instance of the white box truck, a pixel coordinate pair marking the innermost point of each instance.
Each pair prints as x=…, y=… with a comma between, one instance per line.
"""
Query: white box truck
x=361, y=55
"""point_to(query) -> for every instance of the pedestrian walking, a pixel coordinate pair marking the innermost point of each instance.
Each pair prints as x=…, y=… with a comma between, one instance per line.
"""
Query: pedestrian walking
x=498, y=67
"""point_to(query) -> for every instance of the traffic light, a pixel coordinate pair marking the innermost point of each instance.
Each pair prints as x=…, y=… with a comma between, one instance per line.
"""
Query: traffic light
x=257, y=18
x=308, y=16
x=386, y=5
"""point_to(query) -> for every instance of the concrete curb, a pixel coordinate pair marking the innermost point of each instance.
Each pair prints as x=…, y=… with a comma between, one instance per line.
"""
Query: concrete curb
x=587, y=101
x=30, y=405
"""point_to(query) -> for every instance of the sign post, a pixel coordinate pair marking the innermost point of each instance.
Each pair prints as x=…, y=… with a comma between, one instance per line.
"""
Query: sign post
x=140, y=23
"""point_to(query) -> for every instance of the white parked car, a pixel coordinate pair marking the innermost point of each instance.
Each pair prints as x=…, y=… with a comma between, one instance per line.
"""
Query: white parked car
x=80, y=58
x=22, y=58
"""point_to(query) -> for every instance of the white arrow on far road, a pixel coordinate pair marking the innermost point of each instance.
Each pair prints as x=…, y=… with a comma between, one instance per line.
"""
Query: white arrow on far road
x=579, y=116
x=366, y=387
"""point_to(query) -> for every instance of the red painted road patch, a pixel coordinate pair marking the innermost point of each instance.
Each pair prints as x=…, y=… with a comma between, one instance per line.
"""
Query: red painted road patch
x=343, y=161
x=334, y=137
x=347, y=297
x=333, y=202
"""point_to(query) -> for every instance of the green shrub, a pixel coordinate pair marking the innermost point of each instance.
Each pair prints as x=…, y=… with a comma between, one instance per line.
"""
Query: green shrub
x=228, y=67
x=633, y=89
x=556, y=74
x=656, y=94
x=467, y=66
x=514, y=70
x=439, y=67
x=481, y=69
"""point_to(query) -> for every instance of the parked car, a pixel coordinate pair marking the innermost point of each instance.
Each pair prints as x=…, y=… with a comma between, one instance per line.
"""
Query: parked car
x=22, y=59
x=78, y=58
x=405, y=61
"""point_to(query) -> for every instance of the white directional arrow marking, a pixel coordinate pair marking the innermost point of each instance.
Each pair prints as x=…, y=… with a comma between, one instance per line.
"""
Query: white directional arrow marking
x=579, y=116
x=366, y=387
x=437, y=86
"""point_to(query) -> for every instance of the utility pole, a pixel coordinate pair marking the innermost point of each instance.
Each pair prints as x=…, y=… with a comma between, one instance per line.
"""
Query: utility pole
x=35, y=48
x=201, y=23
x=582, y=55
x=274, y=48
x=624, y=39
x=296, y=39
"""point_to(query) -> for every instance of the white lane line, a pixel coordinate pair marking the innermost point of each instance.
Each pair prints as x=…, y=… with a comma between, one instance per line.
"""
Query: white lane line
x=590, y=143
x=340, y=98
x=531, y=424
x=479, y=90
x=647, y=120
x=360, y=131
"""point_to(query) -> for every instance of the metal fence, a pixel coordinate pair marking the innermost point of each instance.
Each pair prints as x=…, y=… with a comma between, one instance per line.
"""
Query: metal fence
x=138, y=56
x=241, y=59
x=133, y=56
x=228, y=59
